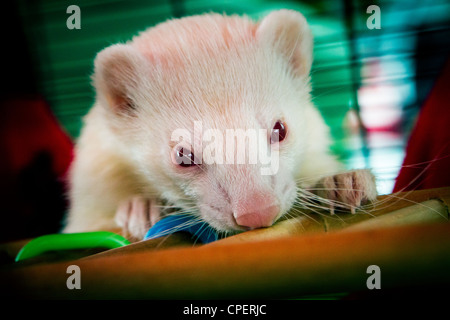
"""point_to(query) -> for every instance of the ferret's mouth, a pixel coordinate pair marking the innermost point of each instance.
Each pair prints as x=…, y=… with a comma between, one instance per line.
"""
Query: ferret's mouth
x=221, y=220
x=257, y=213
x=228, y=224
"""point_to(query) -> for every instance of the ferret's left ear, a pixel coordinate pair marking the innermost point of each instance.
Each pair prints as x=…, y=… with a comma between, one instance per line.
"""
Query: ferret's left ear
x=289, y=32
x=119, y=69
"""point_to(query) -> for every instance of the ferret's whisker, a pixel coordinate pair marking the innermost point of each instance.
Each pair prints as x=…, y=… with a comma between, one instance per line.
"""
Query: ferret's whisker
x=290, y=217
x=296, y=210
x=305, y=196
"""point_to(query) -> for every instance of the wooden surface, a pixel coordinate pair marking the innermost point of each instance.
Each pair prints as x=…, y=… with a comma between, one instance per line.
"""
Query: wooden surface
x=406, y=235
x=424, y=206
x=278, y=268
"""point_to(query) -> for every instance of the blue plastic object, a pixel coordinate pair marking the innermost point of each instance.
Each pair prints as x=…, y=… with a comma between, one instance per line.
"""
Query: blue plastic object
x=201, y=231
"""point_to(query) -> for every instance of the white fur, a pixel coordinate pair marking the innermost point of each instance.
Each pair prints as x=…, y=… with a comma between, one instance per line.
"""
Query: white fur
x=227, y=72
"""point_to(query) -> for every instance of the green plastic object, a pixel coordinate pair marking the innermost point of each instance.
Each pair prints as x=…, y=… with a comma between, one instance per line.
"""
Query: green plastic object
x=71, y=241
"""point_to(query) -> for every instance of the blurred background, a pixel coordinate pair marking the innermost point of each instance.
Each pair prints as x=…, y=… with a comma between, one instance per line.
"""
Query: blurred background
x=369, y=84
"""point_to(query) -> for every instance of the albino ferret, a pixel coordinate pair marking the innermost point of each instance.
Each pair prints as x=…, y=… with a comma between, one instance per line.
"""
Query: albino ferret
x=224, y=72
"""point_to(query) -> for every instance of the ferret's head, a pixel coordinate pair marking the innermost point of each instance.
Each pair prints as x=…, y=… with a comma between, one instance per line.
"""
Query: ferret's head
x=210, y=109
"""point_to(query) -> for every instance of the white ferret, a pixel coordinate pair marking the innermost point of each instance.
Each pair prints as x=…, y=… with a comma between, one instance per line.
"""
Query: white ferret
x=226, y=73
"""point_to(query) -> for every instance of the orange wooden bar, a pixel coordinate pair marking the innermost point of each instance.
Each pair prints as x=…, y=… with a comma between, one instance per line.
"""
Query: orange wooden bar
x=280, y=268
x=289, y=266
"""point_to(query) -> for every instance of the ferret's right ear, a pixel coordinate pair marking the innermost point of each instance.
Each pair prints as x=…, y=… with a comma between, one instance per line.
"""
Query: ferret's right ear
x=118, y=70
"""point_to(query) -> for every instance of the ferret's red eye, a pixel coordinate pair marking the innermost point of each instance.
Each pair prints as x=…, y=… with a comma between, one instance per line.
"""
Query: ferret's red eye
x=278, y=132
x=185, y=157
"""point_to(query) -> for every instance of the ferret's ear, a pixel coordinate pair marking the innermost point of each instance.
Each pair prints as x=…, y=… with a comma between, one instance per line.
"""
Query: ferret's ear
x=289, y=32
x=118, y=70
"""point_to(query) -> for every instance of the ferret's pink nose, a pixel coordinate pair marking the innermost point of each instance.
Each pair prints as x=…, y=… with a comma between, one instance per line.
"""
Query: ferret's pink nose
x=259, y=218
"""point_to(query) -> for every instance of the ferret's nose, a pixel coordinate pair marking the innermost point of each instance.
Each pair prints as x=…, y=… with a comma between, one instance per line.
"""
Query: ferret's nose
x=259, y=218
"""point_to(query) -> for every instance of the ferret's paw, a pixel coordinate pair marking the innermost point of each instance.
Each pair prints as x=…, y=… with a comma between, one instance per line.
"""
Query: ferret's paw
x=348, y=190
x=136, y=215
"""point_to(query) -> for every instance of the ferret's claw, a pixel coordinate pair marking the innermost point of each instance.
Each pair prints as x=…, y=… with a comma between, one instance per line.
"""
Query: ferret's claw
x=136, y=215
x=348, y=189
